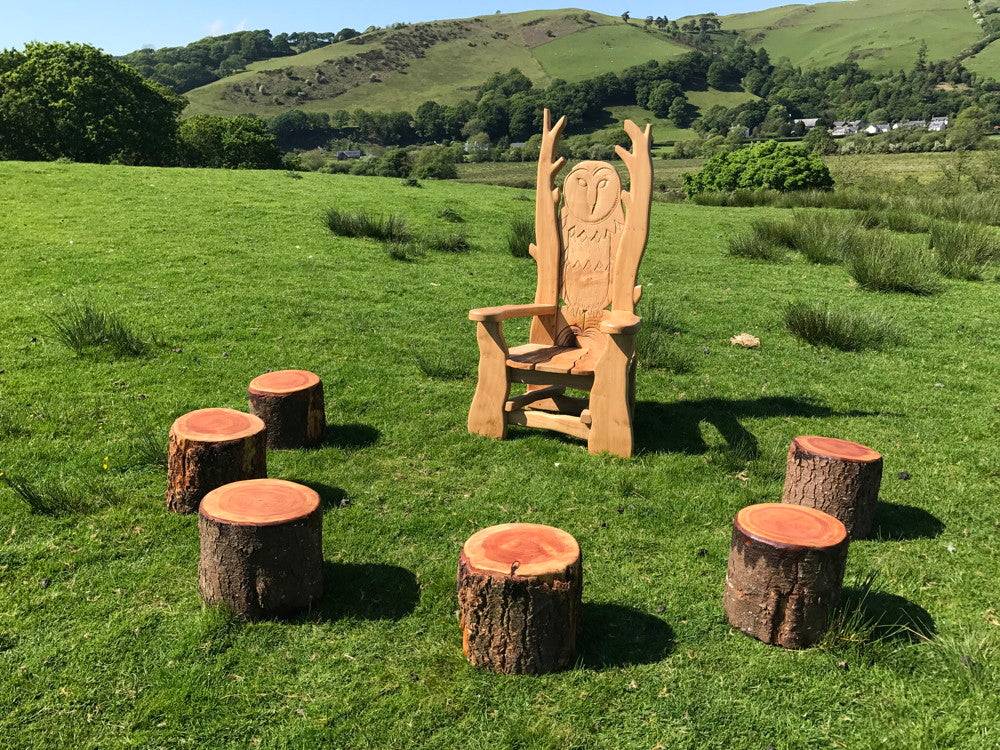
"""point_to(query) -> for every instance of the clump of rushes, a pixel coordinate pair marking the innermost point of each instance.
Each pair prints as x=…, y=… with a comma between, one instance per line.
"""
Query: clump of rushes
x=405, y=252
x=757, y=243
x=451, y=215
x=60, y=498
x=896, y=220
x=520, y=236
x=820, y=324
x=656, y=344
x=964, y=250
x=387, y=228
x=825, y=238
x=85, y=328
x=884, y=262
x=449, y=242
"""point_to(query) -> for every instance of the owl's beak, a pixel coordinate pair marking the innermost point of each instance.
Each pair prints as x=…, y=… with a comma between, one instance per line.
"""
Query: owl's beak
x=592, y=198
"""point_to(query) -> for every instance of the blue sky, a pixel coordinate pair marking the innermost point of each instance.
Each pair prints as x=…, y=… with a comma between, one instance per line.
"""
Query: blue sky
x=123, y=26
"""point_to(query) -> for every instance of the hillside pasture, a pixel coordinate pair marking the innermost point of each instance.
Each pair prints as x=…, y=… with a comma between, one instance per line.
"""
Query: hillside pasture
x=226, y=274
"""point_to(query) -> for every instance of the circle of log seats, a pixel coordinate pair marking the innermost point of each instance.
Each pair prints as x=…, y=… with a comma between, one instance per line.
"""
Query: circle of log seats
x=520, y=587
x=261, y=547
x=209, y=448
x=291, y=404
x=786, y=570
x=837, y=477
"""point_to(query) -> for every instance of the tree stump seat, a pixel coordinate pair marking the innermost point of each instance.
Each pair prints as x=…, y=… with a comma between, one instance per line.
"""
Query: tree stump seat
x=290, y=402
x=209, y=448
x=261, y=547
x=520, y=588
x=786, y=570
x=837, y=477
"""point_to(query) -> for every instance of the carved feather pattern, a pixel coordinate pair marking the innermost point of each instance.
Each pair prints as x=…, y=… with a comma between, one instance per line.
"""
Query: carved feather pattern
x=588, y=253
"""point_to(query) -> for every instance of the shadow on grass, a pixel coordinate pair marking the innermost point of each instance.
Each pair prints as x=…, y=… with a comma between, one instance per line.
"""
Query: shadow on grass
x=367, y=591
x=676, y=427
x=618, y=636
x=351, y=437
x=866, y=617
x=329, y=497
x=894, y=521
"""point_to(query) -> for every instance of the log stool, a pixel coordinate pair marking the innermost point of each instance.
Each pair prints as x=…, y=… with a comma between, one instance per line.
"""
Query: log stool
x=261, y=547
x=209, y=448
x=519, y=598
x=837, y=477
x=291, y=404
x=786, y=569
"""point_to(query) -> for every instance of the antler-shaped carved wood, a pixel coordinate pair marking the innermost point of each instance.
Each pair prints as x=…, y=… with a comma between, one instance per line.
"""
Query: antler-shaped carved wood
x=638, y=201
x=547, y=250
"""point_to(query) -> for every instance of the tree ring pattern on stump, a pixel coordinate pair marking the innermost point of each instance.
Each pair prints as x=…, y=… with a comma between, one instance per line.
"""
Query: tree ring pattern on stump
x=845, y=450
x=217, y=425
x=522, y=549
x=260, y=502
x=786, y=525
x=283, y=381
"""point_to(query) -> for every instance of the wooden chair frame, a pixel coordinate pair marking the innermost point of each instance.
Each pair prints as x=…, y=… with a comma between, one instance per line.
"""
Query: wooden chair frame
x=605, y=420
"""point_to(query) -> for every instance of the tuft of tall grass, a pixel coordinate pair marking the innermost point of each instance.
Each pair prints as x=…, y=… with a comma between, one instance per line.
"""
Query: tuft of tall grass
x=656, y=344
x=964, y=250
x=451, y=215
x=843, y=199
x=440, y=366
x=821, y=325
x=60, y=498
x=896, y=220
x=884, y=262
x=83, y=328
x=520, y=236
x=149, y=449
x=824, y=238
x=387, y=228
x=756, y=243
x=405, y=252
x=448, y=242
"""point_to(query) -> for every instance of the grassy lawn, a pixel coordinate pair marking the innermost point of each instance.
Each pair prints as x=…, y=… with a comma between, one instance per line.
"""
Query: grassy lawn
x=105, y=643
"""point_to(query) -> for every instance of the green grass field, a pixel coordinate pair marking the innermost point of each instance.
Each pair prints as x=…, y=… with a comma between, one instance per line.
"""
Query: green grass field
x=881, y=34
x=105, y=643
x=987, y=62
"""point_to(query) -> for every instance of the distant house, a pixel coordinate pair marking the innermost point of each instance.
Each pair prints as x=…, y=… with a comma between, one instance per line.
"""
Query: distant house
x=518, y=144
x=349, y=154
x=845, y=127
x=875, y=129
x=910, y=125
x=938, y=124
x=807, y=122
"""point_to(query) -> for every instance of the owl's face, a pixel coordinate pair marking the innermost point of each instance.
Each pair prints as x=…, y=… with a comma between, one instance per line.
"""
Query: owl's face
x=592, y=190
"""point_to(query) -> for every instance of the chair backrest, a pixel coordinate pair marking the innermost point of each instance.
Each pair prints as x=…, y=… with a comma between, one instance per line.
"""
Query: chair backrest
x=590, y=236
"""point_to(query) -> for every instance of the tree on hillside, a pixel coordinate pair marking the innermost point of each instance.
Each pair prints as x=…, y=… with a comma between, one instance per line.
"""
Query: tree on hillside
x=243, y=142
x=626, y=16
x=74, y=101
x=681, y=111
x=721, y=75
x=662, y=97
x=970, y=128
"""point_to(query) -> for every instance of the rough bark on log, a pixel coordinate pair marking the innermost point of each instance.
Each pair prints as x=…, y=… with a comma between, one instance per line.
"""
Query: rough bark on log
x=291, y=404
x=520, y=588
x=785, y=573
x=261, y=548
x=837, y=477
x=209, y=448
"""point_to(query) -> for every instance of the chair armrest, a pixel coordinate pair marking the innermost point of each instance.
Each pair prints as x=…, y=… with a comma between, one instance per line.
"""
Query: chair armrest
x=505, y=312
x=619, y=321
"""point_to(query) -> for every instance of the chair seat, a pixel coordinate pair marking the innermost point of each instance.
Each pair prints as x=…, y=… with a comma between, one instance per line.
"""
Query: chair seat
x=557, y=359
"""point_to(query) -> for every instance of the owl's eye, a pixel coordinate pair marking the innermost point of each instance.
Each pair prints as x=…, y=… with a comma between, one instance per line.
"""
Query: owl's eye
x=603, y=184
x=581, y=181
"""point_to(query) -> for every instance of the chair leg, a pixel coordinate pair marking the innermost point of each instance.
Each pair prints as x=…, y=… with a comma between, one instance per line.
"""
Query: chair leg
x=611, y=399
x=486, y=416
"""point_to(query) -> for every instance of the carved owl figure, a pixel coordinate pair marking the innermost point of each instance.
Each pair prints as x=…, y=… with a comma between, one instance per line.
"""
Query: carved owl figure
x=592, y=222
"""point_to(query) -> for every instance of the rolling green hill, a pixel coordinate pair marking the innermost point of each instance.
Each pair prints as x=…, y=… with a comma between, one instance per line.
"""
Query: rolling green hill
x=398, y=69
x=879, y=34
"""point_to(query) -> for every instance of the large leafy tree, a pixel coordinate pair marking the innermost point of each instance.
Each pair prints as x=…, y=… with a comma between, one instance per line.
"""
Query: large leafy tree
x=74, y=101
x=770, y=165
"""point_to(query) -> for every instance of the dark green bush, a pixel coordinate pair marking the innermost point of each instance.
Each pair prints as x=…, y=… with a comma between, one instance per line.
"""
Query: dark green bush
x=242, y=142
x=770, y=165
x=435, y=163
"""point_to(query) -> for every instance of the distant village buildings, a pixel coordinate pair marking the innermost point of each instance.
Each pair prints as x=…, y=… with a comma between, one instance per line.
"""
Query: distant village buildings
x=842, y=128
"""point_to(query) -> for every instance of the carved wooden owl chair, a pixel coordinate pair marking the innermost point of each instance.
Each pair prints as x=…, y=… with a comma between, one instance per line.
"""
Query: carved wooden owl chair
x=583, y=321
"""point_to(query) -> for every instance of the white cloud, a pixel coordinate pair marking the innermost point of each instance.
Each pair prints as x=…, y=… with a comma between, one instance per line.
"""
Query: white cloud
x=243, y=25
x=218, y=26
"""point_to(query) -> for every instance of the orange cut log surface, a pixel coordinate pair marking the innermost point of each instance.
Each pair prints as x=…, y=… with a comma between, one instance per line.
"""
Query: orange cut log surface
x=779, y=524
x=845, y=450
x=283, y=381
x=216, y=425
x=260, y=502
x=522, y=549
